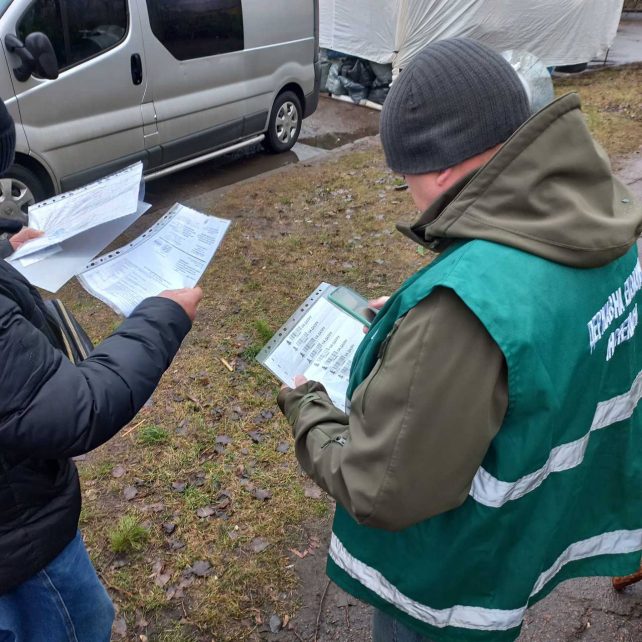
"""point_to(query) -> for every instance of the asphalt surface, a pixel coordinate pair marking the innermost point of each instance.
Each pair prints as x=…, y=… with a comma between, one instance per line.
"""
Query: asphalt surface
x=627, y=47
x=332, y=125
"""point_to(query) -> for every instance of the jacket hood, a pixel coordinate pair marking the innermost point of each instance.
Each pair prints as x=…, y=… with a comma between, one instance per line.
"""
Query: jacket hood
x=549, y=191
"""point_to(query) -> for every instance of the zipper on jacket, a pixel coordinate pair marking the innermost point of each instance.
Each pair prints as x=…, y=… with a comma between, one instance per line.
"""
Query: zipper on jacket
x=383, y=348
x=339, y=441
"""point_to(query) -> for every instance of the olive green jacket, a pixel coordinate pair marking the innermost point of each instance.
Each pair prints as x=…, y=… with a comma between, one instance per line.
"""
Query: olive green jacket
x=422, y=421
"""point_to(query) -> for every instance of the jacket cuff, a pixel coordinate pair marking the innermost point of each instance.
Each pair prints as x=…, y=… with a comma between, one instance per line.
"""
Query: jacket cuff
x=290, y=401
x=166, y=311
x=6, y=249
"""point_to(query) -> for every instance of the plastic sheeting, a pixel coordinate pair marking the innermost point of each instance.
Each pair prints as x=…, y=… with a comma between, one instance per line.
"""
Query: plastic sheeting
x=361, y=28
x=559, y=32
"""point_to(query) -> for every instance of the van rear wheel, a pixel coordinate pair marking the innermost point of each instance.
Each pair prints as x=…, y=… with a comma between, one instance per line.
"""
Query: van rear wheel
x=285, y=123
x=19, y=188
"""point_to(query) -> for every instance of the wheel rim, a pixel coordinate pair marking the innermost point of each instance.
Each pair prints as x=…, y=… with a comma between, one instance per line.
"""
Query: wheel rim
x=15, y=199
x=287, y=122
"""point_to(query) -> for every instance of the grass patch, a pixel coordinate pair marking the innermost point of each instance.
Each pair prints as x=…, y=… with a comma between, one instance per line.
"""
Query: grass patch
x=152, y=435
x=128, y=535
x=176, y=634
x=612, y=104
x=251, y=352
x=264, y=330
x=195, y=498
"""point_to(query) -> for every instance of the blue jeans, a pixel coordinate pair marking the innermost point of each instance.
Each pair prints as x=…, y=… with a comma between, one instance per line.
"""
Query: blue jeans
x=65, y=602
x=386, y=629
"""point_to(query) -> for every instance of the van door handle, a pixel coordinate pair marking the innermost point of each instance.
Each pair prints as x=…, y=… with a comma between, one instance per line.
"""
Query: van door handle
x=137, y=69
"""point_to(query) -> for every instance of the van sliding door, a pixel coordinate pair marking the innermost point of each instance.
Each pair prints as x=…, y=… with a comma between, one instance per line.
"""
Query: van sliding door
x=197, y=72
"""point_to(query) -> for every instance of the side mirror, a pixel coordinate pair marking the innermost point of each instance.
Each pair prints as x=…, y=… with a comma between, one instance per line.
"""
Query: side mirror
x=37, y=56
x=27, y=63
x=40, y=47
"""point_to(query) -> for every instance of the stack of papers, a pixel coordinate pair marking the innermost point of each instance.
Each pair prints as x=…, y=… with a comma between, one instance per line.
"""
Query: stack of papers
x=77, y=225
x=172, y=254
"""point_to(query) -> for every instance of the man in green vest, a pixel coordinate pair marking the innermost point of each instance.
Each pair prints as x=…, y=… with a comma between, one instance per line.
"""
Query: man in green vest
x=494, y=443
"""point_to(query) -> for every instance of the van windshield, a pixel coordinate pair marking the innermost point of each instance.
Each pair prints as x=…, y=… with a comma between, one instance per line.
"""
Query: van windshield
x=4, y=4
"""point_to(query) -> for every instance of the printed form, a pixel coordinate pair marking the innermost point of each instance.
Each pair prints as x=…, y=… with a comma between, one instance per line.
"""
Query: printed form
x=321, y=346
x=68, y=215
x=77, y=226
x=172, y=254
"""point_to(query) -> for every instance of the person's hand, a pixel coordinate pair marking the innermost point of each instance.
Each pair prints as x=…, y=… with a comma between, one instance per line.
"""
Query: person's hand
x=24, y=235
x=299, y=380
x=377, y=304
x=187, y=298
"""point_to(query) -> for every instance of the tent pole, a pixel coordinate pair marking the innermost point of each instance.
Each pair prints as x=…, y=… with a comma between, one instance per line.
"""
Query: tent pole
x=400, y=32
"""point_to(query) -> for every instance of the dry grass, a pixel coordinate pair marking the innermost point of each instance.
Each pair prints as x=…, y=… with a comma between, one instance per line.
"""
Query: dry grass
x=330, y=221
x=612, y=101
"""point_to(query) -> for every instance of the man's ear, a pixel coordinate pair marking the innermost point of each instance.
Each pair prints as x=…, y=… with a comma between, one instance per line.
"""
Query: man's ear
x=444, y=177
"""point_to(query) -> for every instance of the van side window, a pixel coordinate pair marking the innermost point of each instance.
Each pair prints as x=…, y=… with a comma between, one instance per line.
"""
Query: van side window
x=78, y=29
x=197, y=28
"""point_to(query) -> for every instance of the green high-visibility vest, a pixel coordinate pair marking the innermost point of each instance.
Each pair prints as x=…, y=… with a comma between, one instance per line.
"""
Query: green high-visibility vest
x=559, y=493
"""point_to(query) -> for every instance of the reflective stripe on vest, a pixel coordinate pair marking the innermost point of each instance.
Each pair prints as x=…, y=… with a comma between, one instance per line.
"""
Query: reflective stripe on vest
x=489, y=491
x=473, y=617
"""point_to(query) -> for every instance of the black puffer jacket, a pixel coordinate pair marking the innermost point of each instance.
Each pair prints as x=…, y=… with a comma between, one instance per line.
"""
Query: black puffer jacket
x=51, y=410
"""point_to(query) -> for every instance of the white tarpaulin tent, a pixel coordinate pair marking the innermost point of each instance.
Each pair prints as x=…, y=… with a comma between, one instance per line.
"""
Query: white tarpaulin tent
x=560, y=32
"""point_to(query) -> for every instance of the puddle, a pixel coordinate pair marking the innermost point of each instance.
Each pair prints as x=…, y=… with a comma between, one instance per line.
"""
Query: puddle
x=332, y=140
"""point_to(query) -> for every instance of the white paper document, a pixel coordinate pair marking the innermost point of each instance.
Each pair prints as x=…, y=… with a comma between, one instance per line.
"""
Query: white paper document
x=36, y=257
x=319, y=341
x=68, y=215
x=172, y=254
x=52, y=267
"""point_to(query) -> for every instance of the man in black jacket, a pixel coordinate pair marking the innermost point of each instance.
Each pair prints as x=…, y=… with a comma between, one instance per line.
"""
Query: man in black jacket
x=50, y=411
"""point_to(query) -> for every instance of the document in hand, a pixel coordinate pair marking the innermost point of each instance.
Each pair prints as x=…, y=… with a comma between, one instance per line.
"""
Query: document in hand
x=72, y=213
x=172, y=254
x=77, y=225
x=319, y=341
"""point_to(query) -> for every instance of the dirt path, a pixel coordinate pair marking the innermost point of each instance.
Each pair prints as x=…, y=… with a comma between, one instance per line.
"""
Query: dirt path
x=327, y=613
x=630, y=171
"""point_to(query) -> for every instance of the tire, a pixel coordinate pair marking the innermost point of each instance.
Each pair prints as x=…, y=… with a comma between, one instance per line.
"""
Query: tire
x=20, y=187
x=285, y=123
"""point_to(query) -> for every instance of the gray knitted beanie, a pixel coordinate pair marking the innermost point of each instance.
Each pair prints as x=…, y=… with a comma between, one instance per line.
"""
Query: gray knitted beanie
x=456, y=99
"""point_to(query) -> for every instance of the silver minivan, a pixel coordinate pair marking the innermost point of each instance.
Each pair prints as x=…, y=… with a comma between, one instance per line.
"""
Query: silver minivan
x=95, y=85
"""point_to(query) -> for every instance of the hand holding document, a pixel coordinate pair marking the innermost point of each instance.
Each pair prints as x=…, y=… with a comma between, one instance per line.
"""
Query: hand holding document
x=319, y=342
x=77, y=226
x=67, y=215
x=188, y=298
x=171, y=255
x=25, y=235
